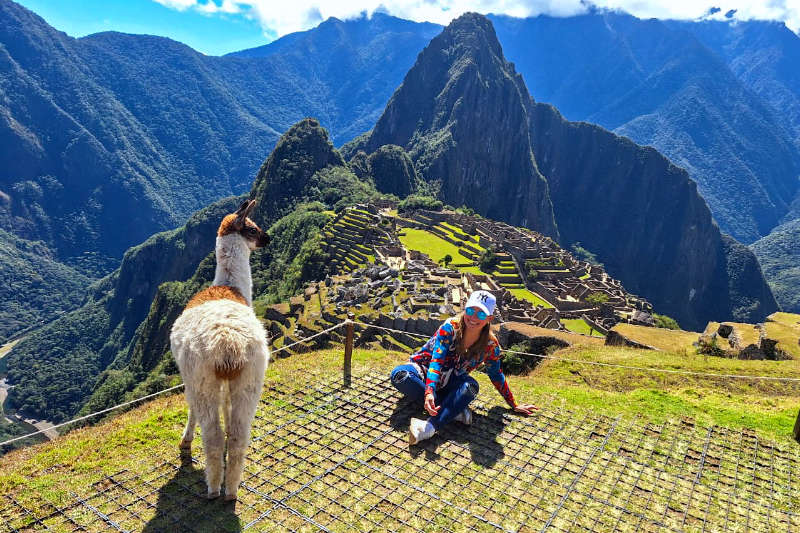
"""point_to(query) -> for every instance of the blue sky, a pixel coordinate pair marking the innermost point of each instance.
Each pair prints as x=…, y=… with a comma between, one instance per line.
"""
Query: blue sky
x=215, y=34
x=217, y=27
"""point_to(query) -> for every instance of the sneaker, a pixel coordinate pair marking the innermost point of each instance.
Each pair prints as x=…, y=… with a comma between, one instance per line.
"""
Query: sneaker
x=419, y=430
x=465, y=417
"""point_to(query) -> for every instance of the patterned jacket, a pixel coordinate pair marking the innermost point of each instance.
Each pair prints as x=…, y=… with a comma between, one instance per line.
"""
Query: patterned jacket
x=438, y=359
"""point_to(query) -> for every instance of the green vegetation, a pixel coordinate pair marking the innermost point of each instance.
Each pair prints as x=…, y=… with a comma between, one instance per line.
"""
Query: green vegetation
x=597, y=298
x=779, y=256
x=36, y=288
x=426, y=242
x=416, y=201
x=293, y=256
x=516, y=364
x=525, y=294
x=488, y=260
x=583, y=254
x=392, y=170
x=579, y=325
x=663, y=321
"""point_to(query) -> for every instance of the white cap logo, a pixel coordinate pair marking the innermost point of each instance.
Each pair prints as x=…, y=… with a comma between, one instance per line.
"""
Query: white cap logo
x=483, y=300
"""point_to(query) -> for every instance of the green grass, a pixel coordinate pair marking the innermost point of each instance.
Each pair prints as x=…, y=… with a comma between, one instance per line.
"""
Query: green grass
x=435, y=247
x=769, y=407
x=579, y=325
x=458, y=232
x=660, y=338
x=525, y=294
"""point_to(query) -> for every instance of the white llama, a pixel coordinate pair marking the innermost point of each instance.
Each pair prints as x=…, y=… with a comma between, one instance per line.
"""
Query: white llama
x=221, y=351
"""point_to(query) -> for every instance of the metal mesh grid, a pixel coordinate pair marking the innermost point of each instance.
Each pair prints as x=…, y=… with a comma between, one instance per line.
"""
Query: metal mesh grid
x=334, y=459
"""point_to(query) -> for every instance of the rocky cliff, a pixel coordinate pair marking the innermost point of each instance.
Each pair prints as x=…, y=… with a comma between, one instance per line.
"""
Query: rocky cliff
x=646, y=222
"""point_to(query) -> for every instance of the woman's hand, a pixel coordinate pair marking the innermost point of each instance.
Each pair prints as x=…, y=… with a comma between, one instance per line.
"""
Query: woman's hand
x=527, y=409
x=430, y=405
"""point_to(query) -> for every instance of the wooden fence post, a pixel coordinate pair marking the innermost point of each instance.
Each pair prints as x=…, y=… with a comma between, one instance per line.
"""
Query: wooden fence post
x=797, y=428
x=348, y=349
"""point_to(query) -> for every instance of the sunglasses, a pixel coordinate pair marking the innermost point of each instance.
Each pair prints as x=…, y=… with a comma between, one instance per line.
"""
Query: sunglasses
x=472, y=311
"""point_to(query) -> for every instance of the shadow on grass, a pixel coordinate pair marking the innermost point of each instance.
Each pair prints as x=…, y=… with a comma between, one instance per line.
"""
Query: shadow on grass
x=182, y=505
x=480, y=437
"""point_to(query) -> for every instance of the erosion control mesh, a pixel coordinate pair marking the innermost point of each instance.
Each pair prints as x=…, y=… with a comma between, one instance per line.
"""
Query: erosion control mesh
x=335, y=459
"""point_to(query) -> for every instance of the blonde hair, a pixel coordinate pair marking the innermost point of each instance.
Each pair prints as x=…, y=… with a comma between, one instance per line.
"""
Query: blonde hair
x=478, y=347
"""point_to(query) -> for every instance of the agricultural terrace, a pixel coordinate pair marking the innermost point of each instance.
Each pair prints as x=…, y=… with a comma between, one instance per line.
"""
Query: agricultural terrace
x=579, y=325
x=434, y=247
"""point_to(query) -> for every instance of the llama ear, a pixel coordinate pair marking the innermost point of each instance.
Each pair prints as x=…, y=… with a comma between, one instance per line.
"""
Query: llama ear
x=249, y=209
x=242, y=208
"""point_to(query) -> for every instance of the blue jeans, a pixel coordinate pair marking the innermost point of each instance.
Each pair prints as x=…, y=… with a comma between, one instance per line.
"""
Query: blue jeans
x=451, y=399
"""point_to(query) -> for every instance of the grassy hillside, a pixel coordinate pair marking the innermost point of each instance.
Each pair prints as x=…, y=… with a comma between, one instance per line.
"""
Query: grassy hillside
x=120, y=468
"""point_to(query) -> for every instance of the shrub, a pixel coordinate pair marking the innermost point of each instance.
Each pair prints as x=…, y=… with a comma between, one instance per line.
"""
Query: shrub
x=663, y=321
x=597, y=298
x=412, y=202
x=487, y=261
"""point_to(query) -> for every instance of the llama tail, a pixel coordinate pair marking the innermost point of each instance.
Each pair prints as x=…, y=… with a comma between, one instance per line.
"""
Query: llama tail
x=231, y=349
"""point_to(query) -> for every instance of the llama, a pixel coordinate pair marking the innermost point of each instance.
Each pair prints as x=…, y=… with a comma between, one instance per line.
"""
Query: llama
x=221, y=351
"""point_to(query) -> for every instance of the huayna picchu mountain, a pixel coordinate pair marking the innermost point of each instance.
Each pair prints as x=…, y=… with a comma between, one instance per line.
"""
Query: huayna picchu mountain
x=461, y=114
x=466, y=118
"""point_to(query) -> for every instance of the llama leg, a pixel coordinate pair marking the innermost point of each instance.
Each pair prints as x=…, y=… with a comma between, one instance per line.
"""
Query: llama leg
x=238, y=441
x=213, y=441
x=244, y=396
x=188, y=433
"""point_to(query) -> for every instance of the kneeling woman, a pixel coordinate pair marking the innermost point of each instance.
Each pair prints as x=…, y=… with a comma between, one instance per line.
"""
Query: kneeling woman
x=438, y=374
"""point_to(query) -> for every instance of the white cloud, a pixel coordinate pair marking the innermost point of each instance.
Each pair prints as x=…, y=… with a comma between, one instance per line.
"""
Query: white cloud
x=282, y=17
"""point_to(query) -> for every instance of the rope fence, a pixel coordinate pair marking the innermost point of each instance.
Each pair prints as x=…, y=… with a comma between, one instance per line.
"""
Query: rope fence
x=349, y=324
x=615, y=365
x=153, y=395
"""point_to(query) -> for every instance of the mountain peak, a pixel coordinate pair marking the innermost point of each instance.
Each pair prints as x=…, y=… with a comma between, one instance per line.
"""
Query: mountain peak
x=462, y=115
x=300, y=152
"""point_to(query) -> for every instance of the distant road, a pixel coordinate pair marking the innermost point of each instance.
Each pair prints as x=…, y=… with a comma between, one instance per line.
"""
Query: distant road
x=7, y=347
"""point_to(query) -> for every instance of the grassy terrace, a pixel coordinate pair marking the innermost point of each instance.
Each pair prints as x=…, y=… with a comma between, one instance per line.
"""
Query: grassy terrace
x=785, y=328
x=660, y=338
x=578, y=325
x=435, y=247
x=607, y=450
x=457, y=232
x=525, y=294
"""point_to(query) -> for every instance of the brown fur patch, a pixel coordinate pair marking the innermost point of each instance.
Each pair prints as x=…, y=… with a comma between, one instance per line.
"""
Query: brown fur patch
x=216, y=292
x=227, y=373
x=228, y=225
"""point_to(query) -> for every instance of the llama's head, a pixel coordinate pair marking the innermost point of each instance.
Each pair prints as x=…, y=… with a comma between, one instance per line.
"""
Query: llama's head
x=238, y=224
